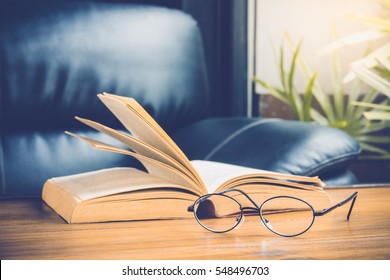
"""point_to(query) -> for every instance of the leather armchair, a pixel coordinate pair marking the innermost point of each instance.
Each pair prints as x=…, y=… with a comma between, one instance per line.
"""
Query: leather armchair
x=55, y=58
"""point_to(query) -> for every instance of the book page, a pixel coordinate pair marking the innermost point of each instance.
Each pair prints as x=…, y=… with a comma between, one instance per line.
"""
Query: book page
x=139, y=146
x=154, y=167
x=138, y=122
x=219, y=176
x=105, y=182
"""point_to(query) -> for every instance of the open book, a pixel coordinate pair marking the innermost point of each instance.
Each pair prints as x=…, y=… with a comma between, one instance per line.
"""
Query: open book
x=171, y=182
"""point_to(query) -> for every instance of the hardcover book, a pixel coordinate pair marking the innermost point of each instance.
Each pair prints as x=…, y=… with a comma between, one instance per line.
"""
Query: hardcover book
x=171, y=181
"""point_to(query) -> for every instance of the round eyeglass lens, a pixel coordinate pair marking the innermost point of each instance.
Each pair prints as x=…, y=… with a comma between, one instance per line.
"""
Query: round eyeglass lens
x=287, y=216
x=218, y=213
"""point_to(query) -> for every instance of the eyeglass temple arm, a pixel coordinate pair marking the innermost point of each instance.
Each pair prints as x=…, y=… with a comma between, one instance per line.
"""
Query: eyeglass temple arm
x=327, y=210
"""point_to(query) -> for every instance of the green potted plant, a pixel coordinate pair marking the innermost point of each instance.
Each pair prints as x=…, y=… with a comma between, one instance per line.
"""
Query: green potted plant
x=366, y=117
x=374, y=71
x=336, y=110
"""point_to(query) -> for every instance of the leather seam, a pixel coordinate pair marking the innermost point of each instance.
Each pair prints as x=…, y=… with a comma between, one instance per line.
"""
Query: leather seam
x=235, y=135
x=344, y=158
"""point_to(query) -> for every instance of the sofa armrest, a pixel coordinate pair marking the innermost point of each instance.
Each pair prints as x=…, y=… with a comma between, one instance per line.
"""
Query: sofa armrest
x=283, y=146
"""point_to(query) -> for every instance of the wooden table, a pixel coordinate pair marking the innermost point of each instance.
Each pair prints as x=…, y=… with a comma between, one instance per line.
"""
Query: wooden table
x=29, y=229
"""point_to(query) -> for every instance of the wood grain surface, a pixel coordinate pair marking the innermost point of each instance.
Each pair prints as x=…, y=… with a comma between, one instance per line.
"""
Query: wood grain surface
x=29, y=229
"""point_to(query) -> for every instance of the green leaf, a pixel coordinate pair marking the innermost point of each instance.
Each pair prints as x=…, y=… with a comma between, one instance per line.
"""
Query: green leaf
x=374, y=21
x=308, y=98
x=373, y=149
x=338, y=93
x=371, y=105
x=374, y=127
x=281, y=68
x=292, y=67
x=279, y=94
x=293, y=95
x=356, y=38
x=321, y=97
x=384, y=73
x=374, y=115
x=367, y=98
x=374, y=139
x=373, y=80
x=353, y=95
x=318, y=118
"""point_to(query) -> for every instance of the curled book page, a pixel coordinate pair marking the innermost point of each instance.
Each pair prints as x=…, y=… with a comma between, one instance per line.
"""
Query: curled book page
x=139, y=147
x=153, y=167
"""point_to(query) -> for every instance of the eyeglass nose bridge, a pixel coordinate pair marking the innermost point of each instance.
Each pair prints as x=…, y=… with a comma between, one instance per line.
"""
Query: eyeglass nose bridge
x=245, y=210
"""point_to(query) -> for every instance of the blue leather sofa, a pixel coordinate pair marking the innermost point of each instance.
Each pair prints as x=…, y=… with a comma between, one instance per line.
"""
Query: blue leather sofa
x=56, y=57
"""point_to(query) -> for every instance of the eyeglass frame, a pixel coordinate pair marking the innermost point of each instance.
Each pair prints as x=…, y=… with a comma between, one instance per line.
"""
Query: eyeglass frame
x=258, y=208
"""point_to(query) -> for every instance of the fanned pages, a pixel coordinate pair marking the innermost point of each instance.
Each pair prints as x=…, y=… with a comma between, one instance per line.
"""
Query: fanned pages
x=171, y=182
x=154, y=167
x=139, y=147
x=137, y=121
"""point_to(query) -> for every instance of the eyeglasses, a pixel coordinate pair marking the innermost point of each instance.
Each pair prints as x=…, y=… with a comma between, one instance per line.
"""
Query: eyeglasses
x=283, y=215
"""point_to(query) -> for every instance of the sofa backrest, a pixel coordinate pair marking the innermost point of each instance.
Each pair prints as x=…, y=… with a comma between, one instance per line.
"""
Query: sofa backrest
x=55, y=58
